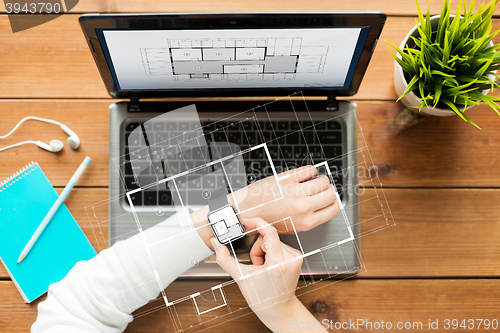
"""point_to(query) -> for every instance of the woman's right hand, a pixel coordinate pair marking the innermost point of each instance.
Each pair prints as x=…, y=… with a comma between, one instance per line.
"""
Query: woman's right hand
x=275, y=270
x=269, y=284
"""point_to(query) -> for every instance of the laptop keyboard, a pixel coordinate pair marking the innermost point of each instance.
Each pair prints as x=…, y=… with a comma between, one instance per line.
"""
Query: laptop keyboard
x=289, y=148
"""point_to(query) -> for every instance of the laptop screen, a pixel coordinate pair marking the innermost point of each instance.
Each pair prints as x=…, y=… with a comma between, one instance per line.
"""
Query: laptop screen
x=232, y=54
x=233, y=58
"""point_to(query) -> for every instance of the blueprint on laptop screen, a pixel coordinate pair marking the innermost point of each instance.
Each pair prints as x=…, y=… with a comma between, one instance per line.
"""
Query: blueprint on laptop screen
x=218, y=59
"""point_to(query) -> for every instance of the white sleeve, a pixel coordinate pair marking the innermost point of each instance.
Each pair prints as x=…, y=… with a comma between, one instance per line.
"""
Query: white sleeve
x=99, y=295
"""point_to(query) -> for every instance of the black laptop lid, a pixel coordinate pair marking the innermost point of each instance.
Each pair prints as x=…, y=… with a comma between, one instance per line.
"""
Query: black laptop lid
x=202, y=55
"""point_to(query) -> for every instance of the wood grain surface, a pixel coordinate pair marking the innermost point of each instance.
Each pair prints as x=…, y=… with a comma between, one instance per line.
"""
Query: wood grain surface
x=440, y=234
x=396, y=143
x=414, y=301
x=56, y=61
x=439, y=177
x=390, y=7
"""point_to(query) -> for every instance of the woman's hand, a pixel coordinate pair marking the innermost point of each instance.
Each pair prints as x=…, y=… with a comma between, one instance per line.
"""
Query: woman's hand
x=269, y=284
x=307, y=200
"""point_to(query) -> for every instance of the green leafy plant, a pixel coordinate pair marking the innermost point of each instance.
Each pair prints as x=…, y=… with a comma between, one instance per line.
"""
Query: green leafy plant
x=450, y=66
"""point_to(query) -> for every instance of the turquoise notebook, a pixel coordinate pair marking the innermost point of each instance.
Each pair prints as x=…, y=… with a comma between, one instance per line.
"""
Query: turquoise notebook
x=25, y=199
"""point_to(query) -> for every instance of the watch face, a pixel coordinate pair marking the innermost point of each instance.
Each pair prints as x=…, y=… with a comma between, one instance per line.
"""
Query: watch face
x=226, y=224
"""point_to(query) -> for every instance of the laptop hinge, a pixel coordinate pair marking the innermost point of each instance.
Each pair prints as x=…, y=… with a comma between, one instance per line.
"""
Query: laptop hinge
x=133, y=105
x=331, y=101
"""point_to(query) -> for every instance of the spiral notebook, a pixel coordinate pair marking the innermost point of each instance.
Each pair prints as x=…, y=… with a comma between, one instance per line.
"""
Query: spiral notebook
x=25, y=199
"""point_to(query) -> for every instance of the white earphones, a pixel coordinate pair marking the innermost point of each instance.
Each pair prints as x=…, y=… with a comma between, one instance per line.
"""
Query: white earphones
x=73, y=139
x=55, y=145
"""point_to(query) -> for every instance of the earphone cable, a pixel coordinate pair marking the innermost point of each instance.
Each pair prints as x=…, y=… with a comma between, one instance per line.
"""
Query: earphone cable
x=29, y=118
x=18, y=144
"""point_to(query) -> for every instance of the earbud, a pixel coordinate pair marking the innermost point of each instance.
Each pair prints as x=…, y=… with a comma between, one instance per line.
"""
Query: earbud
x=55, y=145
x=73, y=140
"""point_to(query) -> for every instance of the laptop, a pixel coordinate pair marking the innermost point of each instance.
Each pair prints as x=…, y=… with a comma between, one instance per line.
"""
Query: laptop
x=161, y=63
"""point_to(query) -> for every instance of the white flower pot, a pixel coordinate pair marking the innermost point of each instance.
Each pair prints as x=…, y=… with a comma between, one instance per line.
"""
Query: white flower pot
x=400, y=84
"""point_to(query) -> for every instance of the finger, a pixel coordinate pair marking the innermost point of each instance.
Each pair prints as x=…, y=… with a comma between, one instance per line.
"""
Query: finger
x=224, y=259
x=326, y=214
x=250, y=226
x=272, y=243
x=303, y=173
x=316, y=185
x=323, y=199
x=257, y=254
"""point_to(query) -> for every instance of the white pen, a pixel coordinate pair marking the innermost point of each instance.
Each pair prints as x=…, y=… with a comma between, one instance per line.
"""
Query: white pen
x=54, y=208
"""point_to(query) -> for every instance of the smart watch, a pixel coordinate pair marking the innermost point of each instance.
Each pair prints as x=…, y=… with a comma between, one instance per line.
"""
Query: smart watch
x=222, y=217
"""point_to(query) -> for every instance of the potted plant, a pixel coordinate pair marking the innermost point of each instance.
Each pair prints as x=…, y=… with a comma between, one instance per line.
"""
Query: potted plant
x=447, y=63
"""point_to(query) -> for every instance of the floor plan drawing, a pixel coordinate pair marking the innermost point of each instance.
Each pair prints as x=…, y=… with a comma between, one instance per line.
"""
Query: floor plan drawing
x=234, y=59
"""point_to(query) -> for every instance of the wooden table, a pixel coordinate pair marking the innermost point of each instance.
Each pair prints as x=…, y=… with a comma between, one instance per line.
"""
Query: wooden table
x=440, y=175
